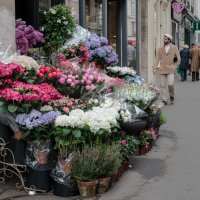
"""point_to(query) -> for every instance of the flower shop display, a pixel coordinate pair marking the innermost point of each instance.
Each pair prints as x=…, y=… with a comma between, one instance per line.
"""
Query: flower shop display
x=26, y=36
x=58, y=25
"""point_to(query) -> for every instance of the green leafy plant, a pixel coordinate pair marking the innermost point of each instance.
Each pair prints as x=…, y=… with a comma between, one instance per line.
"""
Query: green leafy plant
x=58, y=24
x=162, y=118
x=129, y=146
x=146, y=137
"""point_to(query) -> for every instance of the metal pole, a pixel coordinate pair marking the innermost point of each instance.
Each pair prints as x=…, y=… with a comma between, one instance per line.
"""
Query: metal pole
x=82, y=13
x=138, y=34
x=105, y=18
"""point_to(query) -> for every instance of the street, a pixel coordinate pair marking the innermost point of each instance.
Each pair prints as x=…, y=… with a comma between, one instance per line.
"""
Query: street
x=171, y=170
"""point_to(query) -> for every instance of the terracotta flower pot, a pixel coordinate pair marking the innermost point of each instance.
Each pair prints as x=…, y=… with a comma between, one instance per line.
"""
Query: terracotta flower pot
x=87, y=189
x=103, y=184
x=143, y=150
x=41, y=156
x=112, y=180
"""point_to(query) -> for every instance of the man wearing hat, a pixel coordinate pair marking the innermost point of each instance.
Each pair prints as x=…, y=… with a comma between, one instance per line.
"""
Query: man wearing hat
x=168, y=56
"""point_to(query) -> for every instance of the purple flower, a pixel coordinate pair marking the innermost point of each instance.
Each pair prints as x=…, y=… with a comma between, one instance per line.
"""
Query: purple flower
x=100, y=52
x=49, y=117
x=26, y=36
x=103, y=40
x=21, y=119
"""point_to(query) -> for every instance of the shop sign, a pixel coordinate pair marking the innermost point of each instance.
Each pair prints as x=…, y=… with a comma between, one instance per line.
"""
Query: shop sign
x=178, y=7
x=196, y=26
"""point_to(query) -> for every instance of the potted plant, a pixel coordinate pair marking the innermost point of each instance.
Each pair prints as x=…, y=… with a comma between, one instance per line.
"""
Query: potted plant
x=85, y=169
x=146, y=139
x=37, y=128
x=129, y=147
x=110, y=159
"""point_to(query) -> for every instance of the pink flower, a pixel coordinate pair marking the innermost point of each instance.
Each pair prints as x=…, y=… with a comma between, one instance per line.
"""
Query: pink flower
x=91, y=77
x=92, y=87
x=124, y=142
x=69, y=80
x=66, y=109
x=89, y=82
x=87, y=87
x=61, y=80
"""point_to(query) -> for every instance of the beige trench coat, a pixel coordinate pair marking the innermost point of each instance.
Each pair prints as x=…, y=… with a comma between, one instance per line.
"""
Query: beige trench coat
x=195, y=54
x=167, y=64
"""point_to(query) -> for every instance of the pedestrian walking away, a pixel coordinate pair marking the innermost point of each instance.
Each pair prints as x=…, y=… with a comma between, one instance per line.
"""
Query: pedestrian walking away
x=185, y=57
x=168, y=56
x=131, y=54
x=195, y=56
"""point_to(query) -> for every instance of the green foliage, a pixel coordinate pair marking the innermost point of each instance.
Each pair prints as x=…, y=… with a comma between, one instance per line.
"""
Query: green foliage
x=67, y=138
x=86, y=164
x=110, y=159
x=95, y=162
x=58, y=24
x=145, y=137
x=162, y=118
x=129, y=146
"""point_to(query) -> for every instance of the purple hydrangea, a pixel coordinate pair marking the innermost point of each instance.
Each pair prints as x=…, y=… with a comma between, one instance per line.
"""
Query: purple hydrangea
x=100, y=51
x=26, y=36
x=35, y=118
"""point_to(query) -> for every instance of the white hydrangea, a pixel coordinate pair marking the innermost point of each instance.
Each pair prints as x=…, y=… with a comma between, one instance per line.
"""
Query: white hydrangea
x=52, y=11
x=46, y=108
x=26, y=62
x=122, y=70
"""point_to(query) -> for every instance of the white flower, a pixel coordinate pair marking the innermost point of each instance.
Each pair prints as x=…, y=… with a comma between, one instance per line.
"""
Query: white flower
x=26, y=62
x=45, y=12
x=42, y=28
x=52, y=11
x=59, y=21
x=46, y=108
x=65, y=22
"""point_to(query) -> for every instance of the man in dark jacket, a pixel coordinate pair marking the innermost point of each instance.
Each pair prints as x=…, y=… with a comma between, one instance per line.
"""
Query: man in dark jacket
x=185, y=56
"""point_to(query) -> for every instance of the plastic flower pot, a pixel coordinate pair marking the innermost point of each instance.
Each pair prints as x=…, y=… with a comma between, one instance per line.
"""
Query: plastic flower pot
x=41, y=157
x=87, y=189
x=18, y=149
x=103, y=184
x=39, y=179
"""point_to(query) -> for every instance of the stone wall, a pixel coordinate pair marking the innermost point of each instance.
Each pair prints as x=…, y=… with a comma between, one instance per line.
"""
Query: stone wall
x=7, y=25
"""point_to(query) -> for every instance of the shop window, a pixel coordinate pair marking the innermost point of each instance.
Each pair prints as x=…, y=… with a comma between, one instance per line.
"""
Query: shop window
x=93, y=12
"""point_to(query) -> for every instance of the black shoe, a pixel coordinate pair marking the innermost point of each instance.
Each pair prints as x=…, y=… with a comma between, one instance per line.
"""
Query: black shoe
x=172, y=99
x=165, y=102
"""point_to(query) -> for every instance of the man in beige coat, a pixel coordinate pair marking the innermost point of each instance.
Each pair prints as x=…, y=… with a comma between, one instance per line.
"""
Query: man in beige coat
x=169, y=58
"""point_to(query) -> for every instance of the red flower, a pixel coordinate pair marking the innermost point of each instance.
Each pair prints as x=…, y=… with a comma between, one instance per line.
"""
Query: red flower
x=124, y=142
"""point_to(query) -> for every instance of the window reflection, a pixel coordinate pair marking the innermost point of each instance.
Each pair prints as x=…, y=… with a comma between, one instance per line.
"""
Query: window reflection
x=93, y=11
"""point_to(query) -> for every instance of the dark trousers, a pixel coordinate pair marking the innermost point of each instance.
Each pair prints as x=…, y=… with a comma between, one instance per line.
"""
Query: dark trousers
x=195, y=76
x=183, y=73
